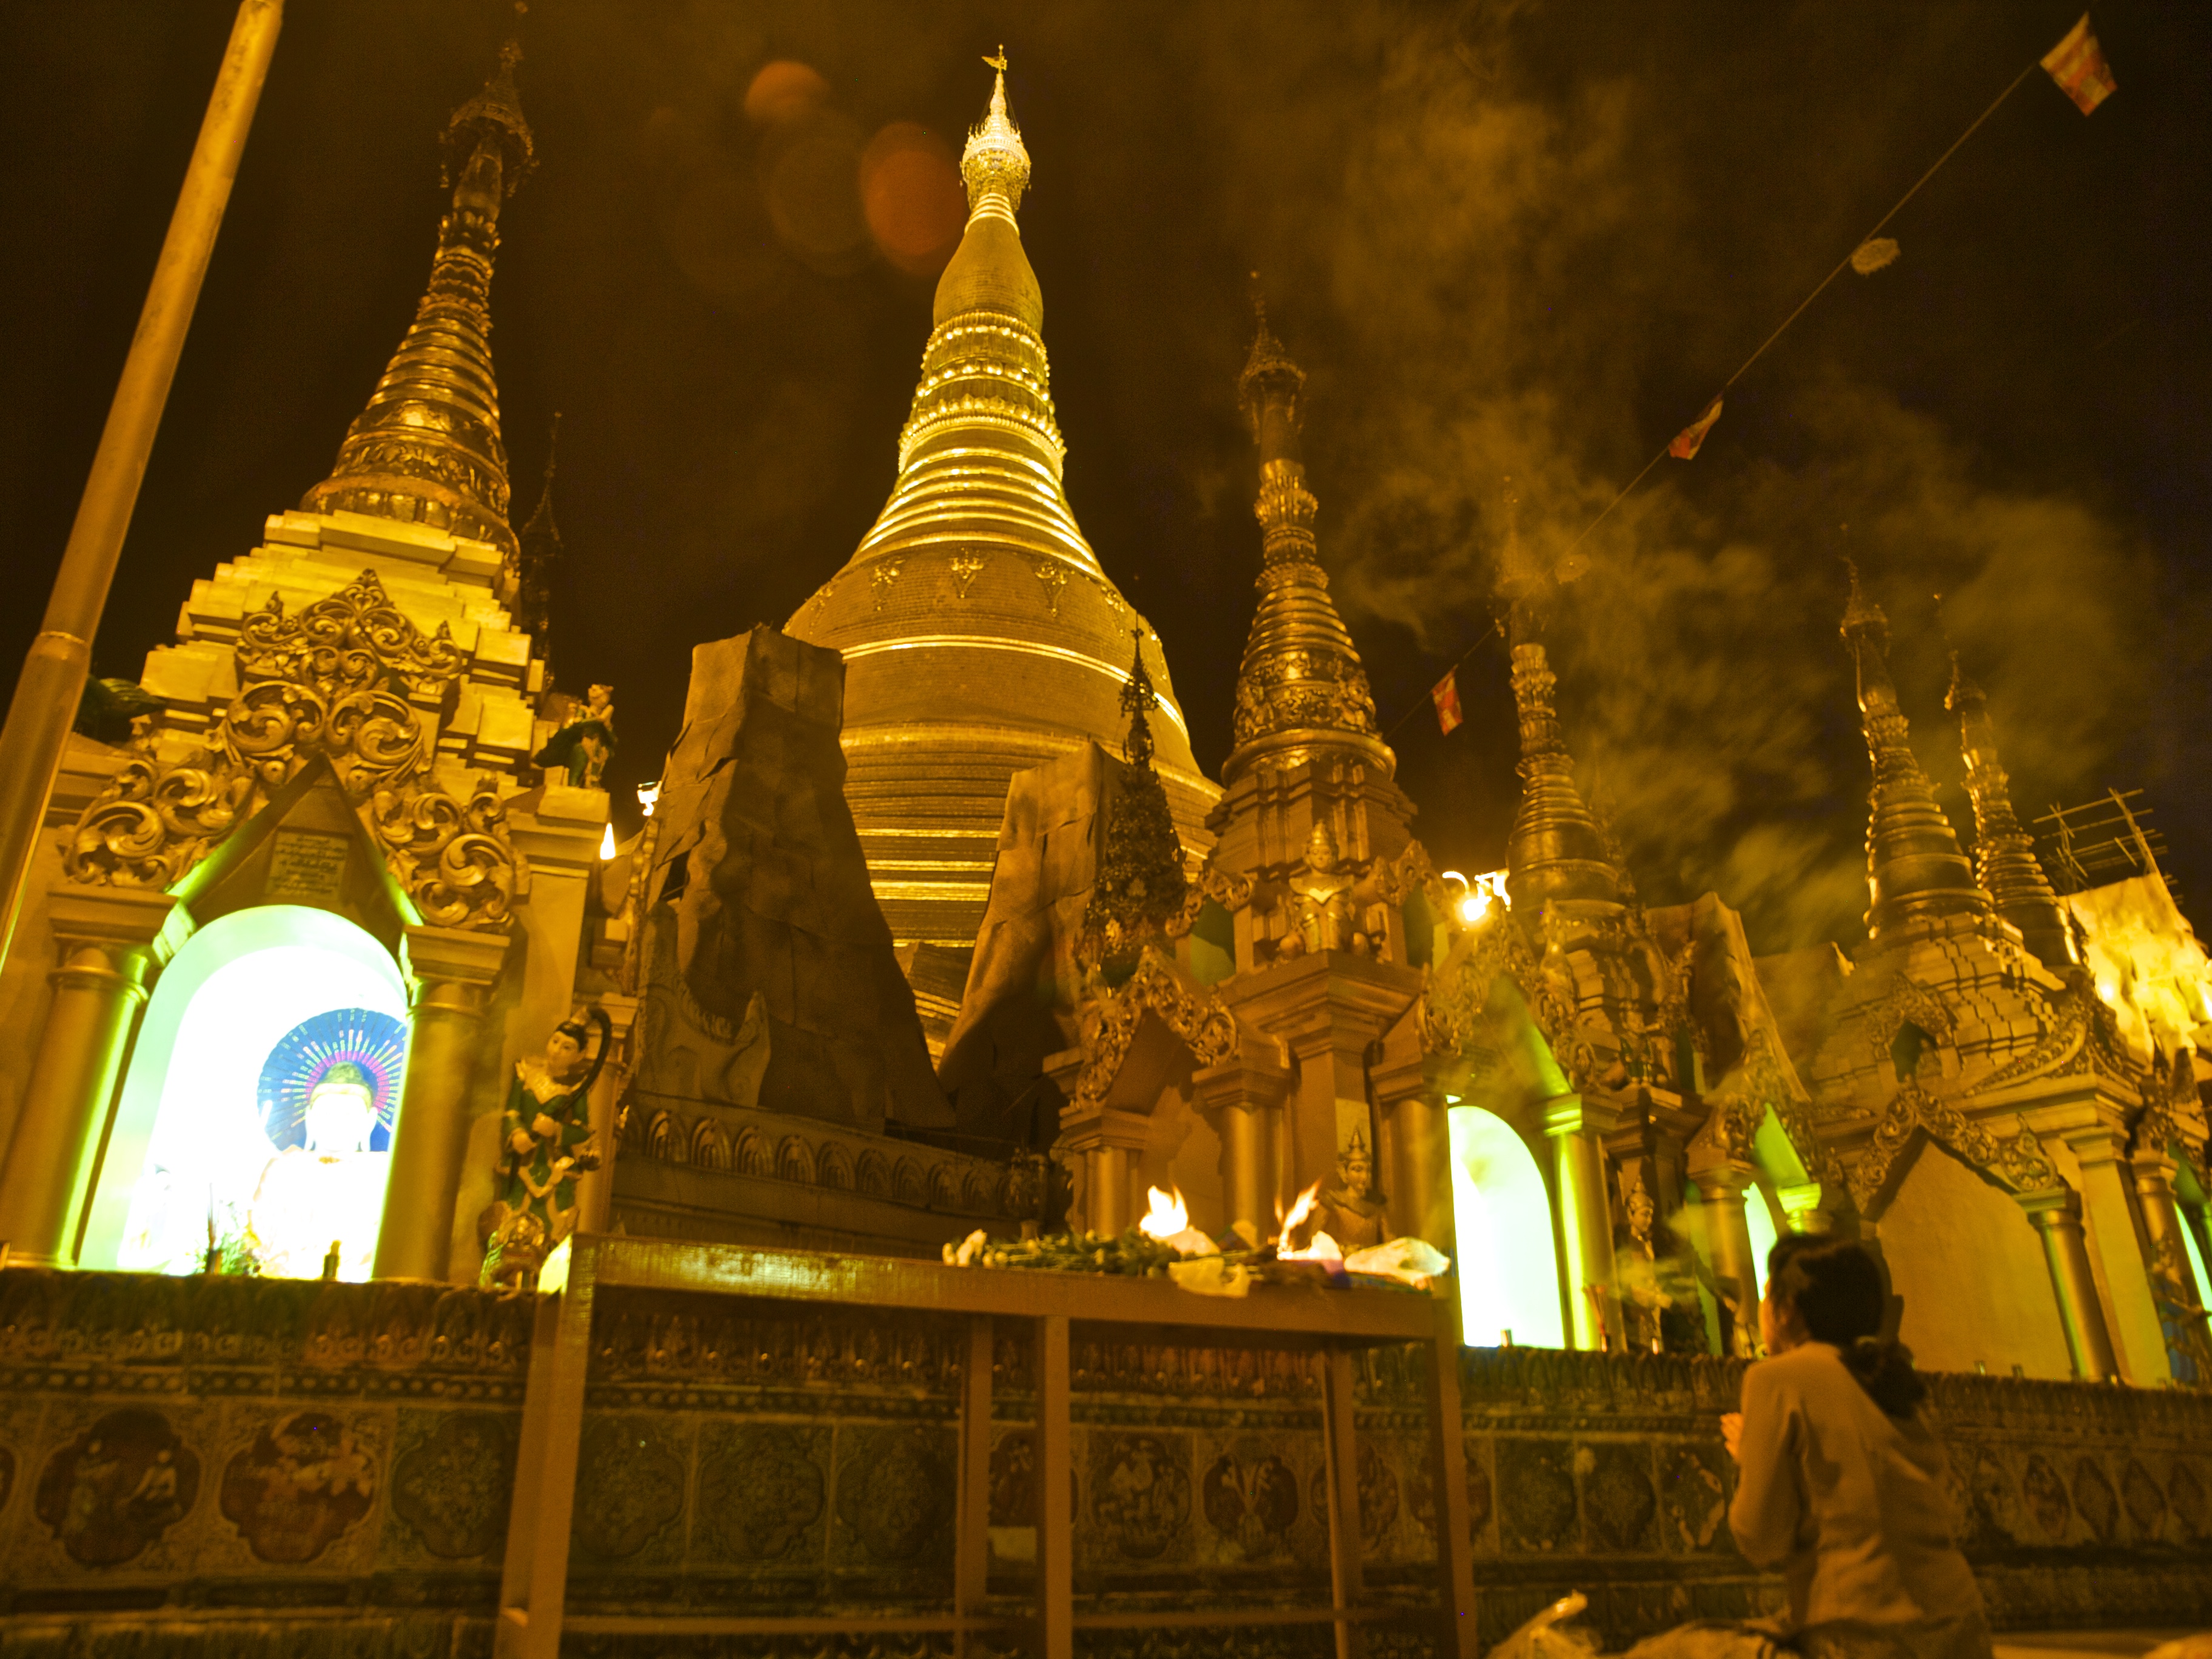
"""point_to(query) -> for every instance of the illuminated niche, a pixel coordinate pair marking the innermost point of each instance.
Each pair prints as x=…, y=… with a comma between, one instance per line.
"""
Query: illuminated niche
x=1508, y=1271
x=260, y=1099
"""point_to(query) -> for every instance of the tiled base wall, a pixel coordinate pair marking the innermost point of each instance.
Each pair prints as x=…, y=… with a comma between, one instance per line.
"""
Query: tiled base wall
x=205, y=1466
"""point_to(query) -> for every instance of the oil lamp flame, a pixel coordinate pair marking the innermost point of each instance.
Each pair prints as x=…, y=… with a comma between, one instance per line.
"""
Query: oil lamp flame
x=1167, y=1215
x=1299, y=1211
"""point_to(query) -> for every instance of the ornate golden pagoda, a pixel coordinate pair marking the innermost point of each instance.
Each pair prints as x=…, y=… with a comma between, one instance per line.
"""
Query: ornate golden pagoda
x=2004, y=854
x=1556, y=849
x=1302, y=688
x=427, y=448
x=979, y=633
x=1915, y=870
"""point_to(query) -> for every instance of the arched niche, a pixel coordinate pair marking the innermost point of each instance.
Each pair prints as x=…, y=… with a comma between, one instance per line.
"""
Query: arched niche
x=1509, y=1270
x=189, y=1134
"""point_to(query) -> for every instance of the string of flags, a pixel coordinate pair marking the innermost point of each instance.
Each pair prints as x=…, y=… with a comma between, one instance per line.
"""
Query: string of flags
x=2077, y=65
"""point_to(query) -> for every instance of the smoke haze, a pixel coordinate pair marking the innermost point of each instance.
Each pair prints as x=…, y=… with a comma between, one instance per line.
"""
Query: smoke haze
x=1505, y=239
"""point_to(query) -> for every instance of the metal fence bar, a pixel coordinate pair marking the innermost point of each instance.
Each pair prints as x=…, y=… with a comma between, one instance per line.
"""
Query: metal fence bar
x=971, y=1551
x=1340, y=1458
x=1055, y=1494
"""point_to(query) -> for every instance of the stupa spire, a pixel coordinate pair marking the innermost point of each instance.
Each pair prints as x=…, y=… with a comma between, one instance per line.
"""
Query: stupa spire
x=428, y=447
x=982, y=636
x=1915, y=871
x=1556, y=849
x=995, y=165
x=1302, y=688
x=2004, y=854
x=542, y=552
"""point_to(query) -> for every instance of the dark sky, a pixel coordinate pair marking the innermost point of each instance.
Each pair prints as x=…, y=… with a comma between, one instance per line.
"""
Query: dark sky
x=1505, y=238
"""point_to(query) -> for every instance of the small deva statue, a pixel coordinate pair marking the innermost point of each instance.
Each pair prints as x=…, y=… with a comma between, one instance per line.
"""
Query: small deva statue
x=545, y=1143
x=1348, y=1211
x=1327, y=895
x=583, y=746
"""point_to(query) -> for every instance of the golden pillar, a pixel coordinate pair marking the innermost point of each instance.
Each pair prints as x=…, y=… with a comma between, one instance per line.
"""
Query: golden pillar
x=453, y=969
x=1107, y=1203
x=1721, y=1187
x=1577, y=1131
x=1415, y=1165
x=2056, y=1214
x=2116, y=1257
x=111, y=942
x=1801, y=1208
x=1242, y=1099
x=2163, y=1224
x=595, y=1192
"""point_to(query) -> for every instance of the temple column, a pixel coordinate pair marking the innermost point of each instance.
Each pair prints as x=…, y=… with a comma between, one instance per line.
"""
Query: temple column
x=2162, y=1222
x=2056, y=1214
x=1721, y=1189
x=595, y=1191
x=1575, y=1129
x=1242, y=1099
x=452, y=969
x=1801, y=1208
x=2115, y=1258
x=1414, y=1160
x=111, y=942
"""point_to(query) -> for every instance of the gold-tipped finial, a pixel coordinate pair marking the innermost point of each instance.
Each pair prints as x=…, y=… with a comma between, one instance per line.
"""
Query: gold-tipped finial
x=1915, y=871
x=2005, y=861
x=995, y=166
x=428, y=447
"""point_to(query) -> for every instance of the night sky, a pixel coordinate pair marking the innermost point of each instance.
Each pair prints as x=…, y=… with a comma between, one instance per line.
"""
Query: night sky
x=1505, y=239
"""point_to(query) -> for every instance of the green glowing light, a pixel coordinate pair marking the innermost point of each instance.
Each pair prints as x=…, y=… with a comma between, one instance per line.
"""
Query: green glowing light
x=189, y=1142
x=2196, y=1265
x=1509, y=1273
x=1758, y=1218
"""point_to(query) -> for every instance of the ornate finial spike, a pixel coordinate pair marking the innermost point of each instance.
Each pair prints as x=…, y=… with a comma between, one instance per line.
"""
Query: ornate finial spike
x=995, y=166
x=1269, y=376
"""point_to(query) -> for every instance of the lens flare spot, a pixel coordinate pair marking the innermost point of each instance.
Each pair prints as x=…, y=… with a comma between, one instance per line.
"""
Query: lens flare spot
x=784, y=91
x=910, y=190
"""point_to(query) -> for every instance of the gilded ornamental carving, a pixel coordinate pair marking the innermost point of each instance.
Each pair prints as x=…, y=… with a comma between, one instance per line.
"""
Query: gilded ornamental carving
x=348, y=679
x=1201, y=1019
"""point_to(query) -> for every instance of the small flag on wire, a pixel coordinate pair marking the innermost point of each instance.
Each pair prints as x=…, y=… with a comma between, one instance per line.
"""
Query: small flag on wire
x=2077, y=63
x=1687, y=441
x=1445, y=695
x=1874, y=254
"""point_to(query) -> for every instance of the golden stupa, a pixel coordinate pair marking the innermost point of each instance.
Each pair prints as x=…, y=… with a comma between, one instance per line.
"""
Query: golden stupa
x=980, y=635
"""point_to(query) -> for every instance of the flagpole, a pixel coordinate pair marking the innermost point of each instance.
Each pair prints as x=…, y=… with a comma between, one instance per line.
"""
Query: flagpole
x=53, y=674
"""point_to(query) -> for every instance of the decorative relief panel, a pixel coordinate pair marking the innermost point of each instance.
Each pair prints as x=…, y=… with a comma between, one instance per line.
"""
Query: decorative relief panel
x=349, y=679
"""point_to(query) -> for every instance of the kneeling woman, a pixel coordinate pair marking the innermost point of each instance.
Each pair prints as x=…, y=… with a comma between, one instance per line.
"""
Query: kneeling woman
x=1841, y=1485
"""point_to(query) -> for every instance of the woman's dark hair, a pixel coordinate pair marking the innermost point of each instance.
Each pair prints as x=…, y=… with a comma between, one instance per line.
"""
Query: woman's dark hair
x=1837, y=1290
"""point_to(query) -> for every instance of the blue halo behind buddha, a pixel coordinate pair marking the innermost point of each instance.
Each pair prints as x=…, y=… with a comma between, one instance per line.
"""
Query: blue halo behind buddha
x=304, y=1055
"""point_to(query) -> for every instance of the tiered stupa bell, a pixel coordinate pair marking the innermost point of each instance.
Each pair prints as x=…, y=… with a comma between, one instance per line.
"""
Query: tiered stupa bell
x=428, y=447
x=980, y=634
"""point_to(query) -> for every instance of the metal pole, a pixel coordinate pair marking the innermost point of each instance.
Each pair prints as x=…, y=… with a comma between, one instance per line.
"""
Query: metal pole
x=54, y=676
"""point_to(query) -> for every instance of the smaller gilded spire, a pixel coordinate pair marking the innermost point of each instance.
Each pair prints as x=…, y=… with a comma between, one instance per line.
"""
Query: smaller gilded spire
x=1137, y=698
x=2004, y=854
x=1140, y=885
x=1915, y=871
x=1302, y=688
x=1556, y=849
x=541, y=557
x=428, y=447
x=995, y=165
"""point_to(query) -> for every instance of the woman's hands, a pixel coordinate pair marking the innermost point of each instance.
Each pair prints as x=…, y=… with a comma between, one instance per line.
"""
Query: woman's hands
x=1732, y=1433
